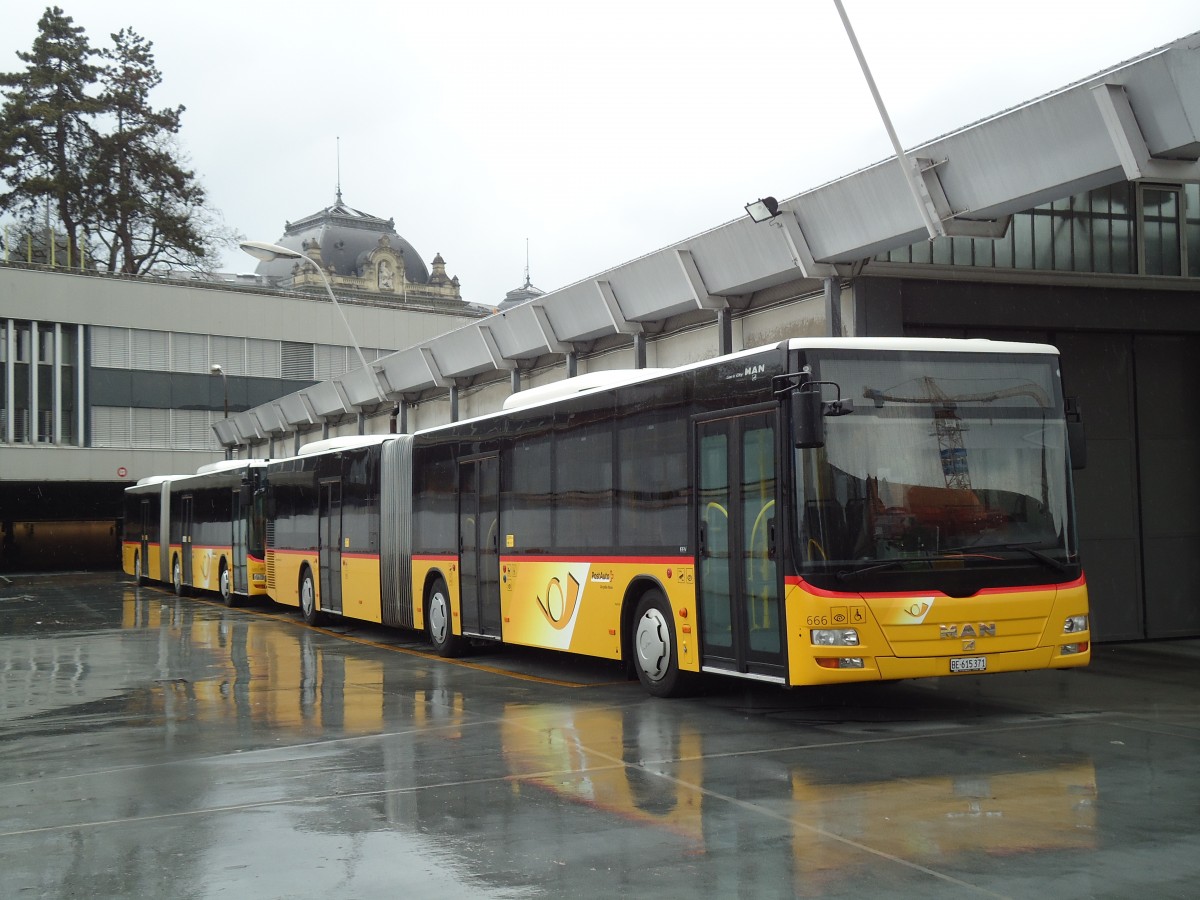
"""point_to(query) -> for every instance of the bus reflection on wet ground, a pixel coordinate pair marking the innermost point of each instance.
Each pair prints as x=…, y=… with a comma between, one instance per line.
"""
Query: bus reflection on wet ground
x=163, y=746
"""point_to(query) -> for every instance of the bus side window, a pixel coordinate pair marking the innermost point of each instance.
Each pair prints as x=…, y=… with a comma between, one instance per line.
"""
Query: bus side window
x=526, y=504
x=583, y=487
x=652, y=492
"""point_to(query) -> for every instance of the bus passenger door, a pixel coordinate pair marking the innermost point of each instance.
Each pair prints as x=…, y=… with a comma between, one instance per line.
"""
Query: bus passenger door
x=187, y=523
x=241, y=516
x=329, y=551
x=479, y=545
x=144, y=535
x=738, y=572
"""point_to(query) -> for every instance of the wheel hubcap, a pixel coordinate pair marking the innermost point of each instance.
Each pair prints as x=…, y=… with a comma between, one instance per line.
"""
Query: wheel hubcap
x=306, y=597
x=653, y=642
x=437, y=618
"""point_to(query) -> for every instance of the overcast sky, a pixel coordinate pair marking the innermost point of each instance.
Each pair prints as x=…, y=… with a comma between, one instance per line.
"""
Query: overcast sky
x=599, y=131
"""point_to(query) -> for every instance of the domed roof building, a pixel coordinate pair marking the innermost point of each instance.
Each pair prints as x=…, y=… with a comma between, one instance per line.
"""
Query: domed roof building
x=527, y=291
x=360, y=253
x=519, y=295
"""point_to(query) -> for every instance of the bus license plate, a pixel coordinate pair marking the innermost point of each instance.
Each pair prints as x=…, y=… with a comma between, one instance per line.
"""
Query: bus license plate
x=968, y=664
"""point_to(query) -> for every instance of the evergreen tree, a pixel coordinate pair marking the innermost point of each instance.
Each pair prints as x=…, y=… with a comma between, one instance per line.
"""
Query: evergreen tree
x=46, y=136
x=151, y=209
x=80, y=142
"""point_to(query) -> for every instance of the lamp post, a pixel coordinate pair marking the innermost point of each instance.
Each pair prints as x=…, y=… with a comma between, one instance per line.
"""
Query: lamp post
x=216, y=369
x=270, y=252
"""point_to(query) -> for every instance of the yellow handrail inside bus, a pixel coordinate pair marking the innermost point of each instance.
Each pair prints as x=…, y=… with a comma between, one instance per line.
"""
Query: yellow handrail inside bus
x=765, y=562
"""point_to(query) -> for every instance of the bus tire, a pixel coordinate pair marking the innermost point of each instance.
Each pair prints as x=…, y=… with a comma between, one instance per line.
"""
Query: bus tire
x=177, y=576
x=655, y=656
x=228, y=597
x=308, y=599
x=139, y=577
x=439, y=621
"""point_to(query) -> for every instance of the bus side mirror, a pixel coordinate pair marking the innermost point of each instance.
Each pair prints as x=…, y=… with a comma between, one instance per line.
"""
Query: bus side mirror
x=809, y=412
x=808, y=424
x=1076, y=434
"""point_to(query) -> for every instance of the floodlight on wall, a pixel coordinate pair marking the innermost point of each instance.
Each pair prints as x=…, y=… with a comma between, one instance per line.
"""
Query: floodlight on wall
x=763, y=209
x=271, y=252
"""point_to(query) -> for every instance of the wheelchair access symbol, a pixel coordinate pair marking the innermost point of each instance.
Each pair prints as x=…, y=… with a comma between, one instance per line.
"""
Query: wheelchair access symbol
x=843, y=615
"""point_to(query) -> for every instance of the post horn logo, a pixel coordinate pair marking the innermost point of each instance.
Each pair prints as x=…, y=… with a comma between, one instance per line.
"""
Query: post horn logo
x=919, y=609
x=559, y=605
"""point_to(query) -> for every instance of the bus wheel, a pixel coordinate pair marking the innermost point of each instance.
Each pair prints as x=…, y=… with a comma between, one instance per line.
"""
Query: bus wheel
x=138, y=577
x=177, y=577
x=308, y=600
x=228, y=597
x=438, y=619
x=654, y=654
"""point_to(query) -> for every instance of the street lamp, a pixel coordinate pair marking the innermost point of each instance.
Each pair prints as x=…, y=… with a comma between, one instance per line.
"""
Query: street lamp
x=763, y=209
x=216, y=369
x=271, y=252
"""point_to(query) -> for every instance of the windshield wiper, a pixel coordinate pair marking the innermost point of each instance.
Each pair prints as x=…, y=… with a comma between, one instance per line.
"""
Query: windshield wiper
x=968, y=552
x=845, y=574
x=1057, y=565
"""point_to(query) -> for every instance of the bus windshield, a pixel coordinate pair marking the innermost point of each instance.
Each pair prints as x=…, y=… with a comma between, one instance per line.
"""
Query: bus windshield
x=951, y=459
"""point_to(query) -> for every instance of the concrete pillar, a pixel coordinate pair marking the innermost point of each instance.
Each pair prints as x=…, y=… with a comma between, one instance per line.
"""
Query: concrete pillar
x=724, y=331
x=833, y=306
x=56, y=380
x=10, y=381
x=80, y=379
x=35, y=351
x=639, y=350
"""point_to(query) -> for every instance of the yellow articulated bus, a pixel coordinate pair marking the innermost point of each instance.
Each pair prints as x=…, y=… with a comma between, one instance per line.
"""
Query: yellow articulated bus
x=819, y=511
x=202, y=531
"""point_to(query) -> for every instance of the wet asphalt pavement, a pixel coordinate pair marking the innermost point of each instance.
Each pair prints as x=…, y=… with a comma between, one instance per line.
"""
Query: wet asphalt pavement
x=152, y=746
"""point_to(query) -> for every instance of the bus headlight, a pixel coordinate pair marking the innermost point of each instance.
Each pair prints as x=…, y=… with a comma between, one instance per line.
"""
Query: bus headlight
x=1075, y=624
x=835, y=637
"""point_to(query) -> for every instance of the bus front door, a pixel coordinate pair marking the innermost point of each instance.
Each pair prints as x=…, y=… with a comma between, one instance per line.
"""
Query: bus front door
x=738, y=572
x=241, y=517
x=144, y=553
x=329, y=528
x=479, y=547
x=187, y=523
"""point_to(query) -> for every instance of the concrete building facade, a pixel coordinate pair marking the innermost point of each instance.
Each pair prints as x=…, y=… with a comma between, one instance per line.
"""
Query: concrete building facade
x=106, y=379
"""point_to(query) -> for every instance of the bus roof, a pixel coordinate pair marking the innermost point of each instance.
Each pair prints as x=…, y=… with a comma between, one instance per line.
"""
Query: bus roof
x=155, y=479
x=331, y=445
x=608, y=379
x=568, y=387
x=224, y=465
x=920, y=345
